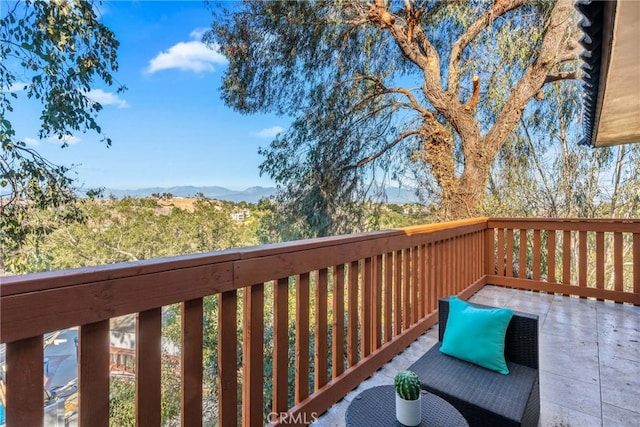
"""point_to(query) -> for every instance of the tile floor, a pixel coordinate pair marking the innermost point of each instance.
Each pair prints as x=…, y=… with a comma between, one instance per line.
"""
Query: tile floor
x=589, y=360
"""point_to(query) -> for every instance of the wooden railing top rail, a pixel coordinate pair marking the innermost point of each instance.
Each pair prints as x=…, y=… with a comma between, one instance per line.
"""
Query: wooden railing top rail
x=10, y=285
x=57, y=300
x=568, y=224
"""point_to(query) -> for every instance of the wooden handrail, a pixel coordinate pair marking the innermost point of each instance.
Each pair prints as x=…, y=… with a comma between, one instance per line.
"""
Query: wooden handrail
x=375, y=291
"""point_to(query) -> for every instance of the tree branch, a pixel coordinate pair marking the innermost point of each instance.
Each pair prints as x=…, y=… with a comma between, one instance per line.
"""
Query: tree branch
x=500, y=7
x=572, y=53
x=384, y=149
x=413, y=102
x=564, y=75
x=471, y=105
x=533, y=78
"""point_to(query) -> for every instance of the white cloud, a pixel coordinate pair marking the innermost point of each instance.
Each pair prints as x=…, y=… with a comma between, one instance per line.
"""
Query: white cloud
x=106, y=98
x=198, y=33
x=16, y=87
x=67, y=139
x=31, y=141
x=268, y=132
x=188, y=56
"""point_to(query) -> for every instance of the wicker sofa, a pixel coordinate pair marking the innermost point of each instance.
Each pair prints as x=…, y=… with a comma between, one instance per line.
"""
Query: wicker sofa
x=482, y=396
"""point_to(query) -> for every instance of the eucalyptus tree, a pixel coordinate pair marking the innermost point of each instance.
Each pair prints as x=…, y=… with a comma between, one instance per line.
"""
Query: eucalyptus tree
x=543, y=171
x=389, y=89
x=51, y=52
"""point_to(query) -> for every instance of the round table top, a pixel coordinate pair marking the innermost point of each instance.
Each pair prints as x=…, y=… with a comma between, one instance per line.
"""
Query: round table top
x=377, y=407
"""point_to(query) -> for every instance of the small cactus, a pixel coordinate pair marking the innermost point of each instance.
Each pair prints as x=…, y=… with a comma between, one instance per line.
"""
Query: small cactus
x=407, y=385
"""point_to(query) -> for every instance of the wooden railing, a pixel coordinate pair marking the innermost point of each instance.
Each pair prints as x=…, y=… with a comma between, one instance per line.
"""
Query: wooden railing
x=354, y=302
x=586, y=258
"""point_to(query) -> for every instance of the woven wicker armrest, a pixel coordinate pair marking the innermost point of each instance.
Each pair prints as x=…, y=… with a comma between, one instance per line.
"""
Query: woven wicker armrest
x=521, y=341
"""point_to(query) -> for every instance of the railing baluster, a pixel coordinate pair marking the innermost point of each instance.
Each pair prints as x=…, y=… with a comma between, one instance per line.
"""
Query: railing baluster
x=366, y=308
x=440, y=268
x=582, y=258
x=302, y=338
x=191, y=362
x=481, y=251
x=537, y=249
x=376, y=318
x=600, y=260
x=466, y=261
x=618, y=264
x=253, y=355
x=551, y=256
x=337, y=351
x=450, y=265
x=388, y=296
x=415, y=301
x=24, y=382
x=566, y=257
x=422, y=281
x=636, y=263
x=397, y=293
x=489, y=251
x=228, y=358
x=522, y=255
x=321, y=354
x=281, y=345
x=500, y=255
x=509, y=272
x=431, y=272
x=476, y=252
x=352, y=316
x=93, y=374
x=148, y=367
x=406, y=289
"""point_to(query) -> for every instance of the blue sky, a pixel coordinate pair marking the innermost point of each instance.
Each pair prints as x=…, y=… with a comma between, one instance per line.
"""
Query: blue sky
x=170, y=127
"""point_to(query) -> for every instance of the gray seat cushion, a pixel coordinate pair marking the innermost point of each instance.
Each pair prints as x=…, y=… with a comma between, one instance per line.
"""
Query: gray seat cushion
x=478, y=393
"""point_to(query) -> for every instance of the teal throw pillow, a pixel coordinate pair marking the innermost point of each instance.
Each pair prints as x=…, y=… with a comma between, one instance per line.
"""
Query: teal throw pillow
x=477, y=334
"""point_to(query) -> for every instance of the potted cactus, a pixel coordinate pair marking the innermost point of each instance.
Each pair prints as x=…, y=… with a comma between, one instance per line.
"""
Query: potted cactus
x=408, y=398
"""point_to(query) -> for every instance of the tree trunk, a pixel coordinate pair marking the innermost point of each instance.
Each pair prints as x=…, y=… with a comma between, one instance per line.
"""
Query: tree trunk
x=463, y=193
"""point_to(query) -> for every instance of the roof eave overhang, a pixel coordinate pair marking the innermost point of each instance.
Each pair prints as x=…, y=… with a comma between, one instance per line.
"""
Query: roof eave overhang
x=611, y=71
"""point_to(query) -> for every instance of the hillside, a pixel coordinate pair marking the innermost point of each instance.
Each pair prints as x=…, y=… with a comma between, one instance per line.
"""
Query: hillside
x=249, y=195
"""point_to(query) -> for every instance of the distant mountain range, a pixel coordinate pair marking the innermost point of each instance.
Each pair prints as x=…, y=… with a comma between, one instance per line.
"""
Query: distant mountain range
x=250, y=195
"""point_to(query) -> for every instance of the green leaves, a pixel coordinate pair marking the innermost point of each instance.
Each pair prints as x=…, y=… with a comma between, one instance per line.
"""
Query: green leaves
x=62, y=50
x=365, y=107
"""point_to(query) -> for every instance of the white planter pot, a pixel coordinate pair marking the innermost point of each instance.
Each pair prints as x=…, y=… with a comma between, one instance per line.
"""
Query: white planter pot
x=409, y=412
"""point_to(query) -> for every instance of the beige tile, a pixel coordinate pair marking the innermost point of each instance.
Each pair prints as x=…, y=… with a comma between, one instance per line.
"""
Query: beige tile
x=397, y=364
x=573, y=311
x=334, y=416
x=612, y=416
x=568, y=357
x=622, y=322
x=573, y=332
x=616, y=344
x=620, y=380
x=570, y=393
x=493, y=295
x=553, y=415
x=536, y=300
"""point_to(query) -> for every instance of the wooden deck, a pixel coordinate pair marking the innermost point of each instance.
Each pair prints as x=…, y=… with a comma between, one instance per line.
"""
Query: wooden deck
x=589, y=359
